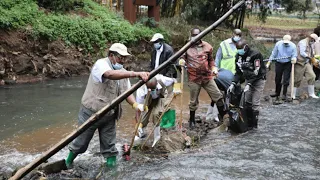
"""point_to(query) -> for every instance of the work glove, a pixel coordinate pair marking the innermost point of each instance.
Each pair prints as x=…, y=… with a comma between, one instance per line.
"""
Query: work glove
x=140, y=107
x=247, y=87
x=293, y=60
x=182, y=62
x=231, y=88
x=268, y=65
x=317, y=56
x=215, y=71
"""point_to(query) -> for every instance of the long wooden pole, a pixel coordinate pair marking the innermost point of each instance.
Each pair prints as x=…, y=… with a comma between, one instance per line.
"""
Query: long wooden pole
x=95, y=117
x=181, y=98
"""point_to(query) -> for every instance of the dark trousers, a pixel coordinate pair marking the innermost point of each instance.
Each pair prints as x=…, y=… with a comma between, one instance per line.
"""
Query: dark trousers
x=317, y=72
x=283, y=71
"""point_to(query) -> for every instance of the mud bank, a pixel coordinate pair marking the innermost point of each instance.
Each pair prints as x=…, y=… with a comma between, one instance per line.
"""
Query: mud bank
x=25, y=60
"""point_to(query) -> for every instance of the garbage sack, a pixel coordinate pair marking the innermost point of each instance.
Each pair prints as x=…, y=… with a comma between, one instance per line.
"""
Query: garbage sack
x=238, y=123
x=168, y=119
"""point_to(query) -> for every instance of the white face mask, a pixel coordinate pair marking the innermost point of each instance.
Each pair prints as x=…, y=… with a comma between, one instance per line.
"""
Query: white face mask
x=157, y=45
x=236, y=38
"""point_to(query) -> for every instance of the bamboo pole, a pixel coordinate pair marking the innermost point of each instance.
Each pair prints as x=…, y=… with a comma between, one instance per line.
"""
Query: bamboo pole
x=95, y=117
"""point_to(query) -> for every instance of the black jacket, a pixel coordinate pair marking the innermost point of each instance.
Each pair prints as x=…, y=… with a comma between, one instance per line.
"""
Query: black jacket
x=166, y=53
x=246, y=66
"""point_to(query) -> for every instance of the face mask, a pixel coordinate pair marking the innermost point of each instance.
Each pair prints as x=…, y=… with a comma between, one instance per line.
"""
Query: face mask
x=241, y=52
x=236, y=38
x=157, y=45
x=117, y=66
x=154, y=94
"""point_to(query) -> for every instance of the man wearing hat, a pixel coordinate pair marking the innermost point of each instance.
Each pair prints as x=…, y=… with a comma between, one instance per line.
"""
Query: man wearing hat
x=303, y=68
x=286, y=53
x=108, y=79
x=162, y=52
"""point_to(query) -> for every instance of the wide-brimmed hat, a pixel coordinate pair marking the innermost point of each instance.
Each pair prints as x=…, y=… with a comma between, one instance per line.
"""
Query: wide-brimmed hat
x=120, y=49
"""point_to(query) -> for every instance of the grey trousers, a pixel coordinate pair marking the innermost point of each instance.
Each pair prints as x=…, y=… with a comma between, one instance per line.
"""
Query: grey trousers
x=253, y=95
x=107, y=134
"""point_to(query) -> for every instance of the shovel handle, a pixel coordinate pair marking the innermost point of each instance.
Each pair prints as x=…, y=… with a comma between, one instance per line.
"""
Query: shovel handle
x=154, y=127
x=292, y=80
x=139, y=121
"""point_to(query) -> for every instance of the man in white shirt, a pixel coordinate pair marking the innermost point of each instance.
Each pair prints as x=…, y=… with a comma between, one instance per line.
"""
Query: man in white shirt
x=161, y=53
x=108, y=79
x=156, y=103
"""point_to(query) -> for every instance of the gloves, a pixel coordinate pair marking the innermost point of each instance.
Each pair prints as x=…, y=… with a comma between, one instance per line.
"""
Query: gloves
x=215, y=70
x=174, y=80
x=140, y=107
x=231, y=88
x=293, y=60
x=268, y=65
x=182, y=62
x=247, y=87
x=317, y=56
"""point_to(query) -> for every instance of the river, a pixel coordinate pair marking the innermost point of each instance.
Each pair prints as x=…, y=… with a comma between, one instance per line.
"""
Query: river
x=36, y=116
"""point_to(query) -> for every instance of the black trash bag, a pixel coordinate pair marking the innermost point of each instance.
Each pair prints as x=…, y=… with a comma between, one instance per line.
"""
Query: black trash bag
x=238, y=124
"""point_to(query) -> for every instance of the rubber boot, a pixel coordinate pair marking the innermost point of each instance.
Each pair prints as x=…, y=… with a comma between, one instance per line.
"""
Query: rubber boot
x=192, y=121
x=311, y=92
x=111, y=161
x=70, y=158
x=294, y=92
x=255, y=118
x=249, y=116
x=156, y=135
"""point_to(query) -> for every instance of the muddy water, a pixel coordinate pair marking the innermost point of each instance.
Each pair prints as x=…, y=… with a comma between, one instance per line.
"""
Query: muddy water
x=36, y=116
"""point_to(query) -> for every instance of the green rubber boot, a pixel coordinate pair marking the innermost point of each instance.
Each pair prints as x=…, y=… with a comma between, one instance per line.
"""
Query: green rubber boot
x=111, y=161
x=70, y=158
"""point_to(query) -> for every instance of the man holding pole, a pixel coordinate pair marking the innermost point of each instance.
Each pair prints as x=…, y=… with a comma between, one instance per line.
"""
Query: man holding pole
x=156, y=103
x=200, y=63
x=108, y=79
x=286, y=53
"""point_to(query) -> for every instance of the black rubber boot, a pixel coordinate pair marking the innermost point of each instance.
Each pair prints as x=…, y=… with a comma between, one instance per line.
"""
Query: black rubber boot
x=255, y=118
x=192, y=121
x=249, y=114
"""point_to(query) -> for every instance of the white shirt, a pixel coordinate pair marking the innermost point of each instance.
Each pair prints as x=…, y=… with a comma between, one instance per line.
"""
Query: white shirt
x=143, y=90
x=99, y=68
x=159, y=51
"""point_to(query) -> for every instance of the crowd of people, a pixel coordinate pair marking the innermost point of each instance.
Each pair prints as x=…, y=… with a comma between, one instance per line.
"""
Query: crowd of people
x=235, y=64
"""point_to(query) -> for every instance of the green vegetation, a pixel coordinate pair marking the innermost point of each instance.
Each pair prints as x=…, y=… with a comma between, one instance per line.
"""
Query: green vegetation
x=90, y=27
x=282, y=22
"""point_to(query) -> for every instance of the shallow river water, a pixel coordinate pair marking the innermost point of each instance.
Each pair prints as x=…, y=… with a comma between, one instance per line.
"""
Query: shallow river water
x=36, y=116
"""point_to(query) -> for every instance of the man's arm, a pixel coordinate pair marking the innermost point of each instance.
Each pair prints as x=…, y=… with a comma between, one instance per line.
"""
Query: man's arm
x=218, y=57
x=274, y=52
x=171, y=70
x=294, y=53
x=302, y=49
x=258, y=62
x=120, y=74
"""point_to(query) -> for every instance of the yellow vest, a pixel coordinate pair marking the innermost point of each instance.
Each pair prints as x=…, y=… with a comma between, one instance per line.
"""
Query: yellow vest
x=228, y=57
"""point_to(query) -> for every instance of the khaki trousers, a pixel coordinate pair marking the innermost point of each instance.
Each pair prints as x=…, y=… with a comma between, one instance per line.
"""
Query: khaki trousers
x=211, y=88
x=306, y=71
x=156, y=108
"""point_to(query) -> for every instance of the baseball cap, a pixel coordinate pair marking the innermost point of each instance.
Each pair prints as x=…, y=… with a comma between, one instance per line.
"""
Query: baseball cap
x=314, y=36
x=119, y=48
x=156, y=36
x=286, y=38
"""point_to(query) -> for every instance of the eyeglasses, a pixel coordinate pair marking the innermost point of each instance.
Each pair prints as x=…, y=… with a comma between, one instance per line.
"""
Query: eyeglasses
x=122, y=58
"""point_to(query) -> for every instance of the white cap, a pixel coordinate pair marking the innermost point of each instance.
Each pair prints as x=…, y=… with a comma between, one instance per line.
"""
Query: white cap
x=119, y=48
x=314, y=36
x=156, y=36
x=286, y=38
